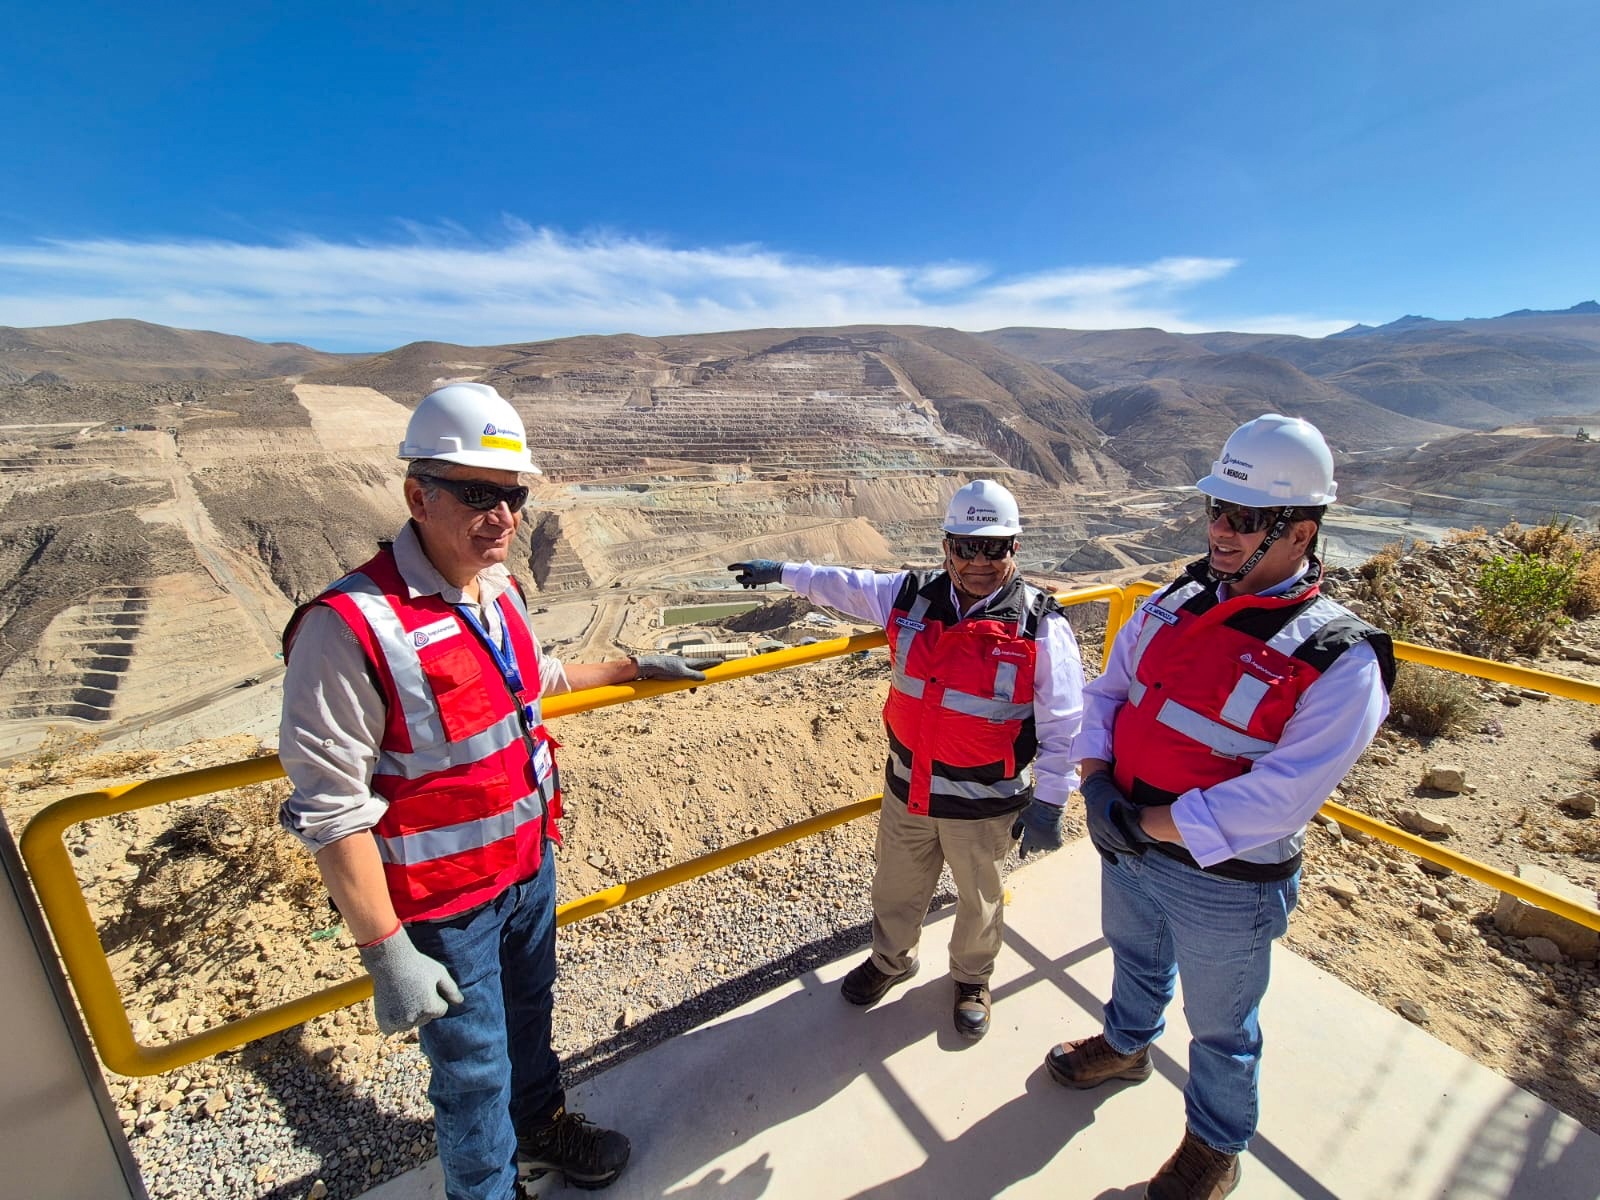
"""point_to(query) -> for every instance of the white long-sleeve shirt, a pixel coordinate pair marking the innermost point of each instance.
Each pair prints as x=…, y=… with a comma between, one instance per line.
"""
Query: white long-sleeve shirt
x=333, y=712
x=1057, y=671
x=1335, y=720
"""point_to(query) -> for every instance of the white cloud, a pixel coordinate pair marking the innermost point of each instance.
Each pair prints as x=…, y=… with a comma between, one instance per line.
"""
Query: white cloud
x=535, y=283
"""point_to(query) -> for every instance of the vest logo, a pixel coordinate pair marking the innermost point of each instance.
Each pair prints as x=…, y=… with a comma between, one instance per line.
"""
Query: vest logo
x=908, y=623
x=445, y=627
x=1159, y=613
x=1259, y=668
x=1012, y=655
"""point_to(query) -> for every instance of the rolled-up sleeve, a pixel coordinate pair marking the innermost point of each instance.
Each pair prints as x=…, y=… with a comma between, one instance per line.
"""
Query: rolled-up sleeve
x=328, y=739
x=1057, y=709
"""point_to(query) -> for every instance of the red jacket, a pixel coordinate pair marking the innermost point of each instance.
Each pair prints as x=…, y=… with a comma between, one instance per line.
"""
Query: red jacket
x=465, y=764
x=960, y=709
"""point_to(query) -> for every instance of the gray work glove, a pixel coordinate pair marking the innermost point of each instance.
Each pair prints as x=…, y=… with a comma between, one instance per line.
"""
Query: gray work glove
x=669, y=666
x=1037, y=828
x=1113, y=821
x=408, y=988
x=757, y=572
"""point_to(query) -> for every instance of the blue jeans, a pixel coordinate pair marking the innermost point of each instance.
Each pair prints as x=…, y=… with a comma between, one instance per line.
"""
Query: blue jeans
x=1164, y=919
x=493, y=1069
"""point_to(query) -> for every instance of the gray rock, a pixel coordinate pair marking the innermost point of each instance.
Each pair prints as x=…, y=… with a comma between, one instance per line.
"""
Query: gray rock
x=1519, y=918
x=1343, y=889
x=1543, y=950
x=1413, y=1012
x=1580, y=804
x=1446, y=777
x=1420, y=821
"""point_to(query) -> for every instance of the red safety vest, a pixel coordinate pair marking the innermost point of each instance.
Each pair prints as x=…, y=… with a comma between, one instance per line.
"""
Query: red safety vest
x=466, y=766
x=1213, y=683
x=960, y=708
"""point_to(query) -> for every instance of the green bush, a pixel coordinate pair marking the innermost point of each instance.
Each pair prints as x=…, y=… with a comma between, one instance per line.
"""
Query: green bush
x=1427, y=702
x=1521, y=599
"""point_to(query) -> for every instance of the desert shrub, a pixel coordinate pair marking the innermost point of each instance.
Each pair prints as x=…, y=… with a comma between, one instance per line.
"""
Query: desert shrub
x=1428, y=702
x=57, y=758
x=1583, y=600
x=1381, y=565
x=1554, y=539
x=240, y=833
x=1521, y=600
x=1457, y=537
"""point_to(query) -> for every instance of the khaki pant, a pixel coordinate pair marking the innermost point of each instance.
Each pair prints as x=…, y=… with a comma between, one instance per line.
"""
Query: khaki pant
x=911, y=849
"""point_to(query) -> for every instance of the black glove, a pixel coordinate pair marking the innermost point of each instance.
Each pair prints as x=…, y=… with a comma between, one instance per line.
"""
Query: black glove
x=757, y=572
x=669, y=666
x=1113, y=822
x=1037, y=828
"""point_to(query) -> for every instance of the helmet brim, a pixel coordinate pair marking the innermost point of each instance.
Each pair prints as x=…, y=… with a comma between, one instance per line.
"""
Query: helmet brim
x=1237, y=493
x=982, y=531
x=488, y=460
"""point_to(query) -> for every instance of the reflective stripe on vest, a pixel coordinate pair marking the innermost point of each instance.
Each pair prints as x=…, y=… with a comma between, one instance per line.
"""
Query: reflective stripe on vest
x=902, y=681
x=411, y=685
x=1170, y=604
x=1209, y=733
x=426, y=845
x=965, y=789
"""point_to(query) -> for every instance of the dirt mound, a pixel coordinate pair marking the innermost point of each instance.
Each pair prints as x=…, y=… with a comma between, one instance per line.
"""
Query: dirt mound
x=780, y=614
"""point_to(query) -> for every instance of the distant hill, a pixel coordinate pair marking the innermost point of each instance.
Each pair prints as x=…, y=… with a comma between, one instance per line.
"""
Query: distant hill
x=138, y=352
x=637, y=399
x=1468, y=374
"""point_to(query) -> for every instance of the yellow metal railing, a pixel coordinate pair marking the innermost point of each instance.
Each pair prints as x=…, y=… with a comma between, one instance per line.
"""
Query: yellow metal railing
x=62, y=900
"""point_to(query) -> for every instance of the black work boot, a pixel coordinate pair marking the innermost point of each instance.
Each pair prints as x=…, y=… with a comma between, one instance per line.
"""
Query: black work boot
x=972, y=1010
x=866, y=984
x=588, y=1156
x=1091, y=1061
x=1194, y=1172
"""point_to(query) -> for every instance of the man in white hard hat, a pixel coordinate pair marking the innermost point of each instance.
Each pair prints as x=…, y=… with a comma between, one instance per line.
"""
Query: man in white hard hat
x=986, y=695
x=426, y=785
x=1232, y=703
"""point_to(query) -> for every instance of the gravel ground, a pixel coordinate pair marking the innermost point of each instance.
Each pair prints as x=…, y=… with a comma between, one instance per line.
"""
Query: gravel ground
x=331, y=1110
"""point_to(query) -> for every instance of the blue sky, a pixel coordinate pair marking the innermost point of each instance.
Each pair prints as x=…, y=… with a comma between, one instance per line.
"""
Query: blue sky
x=359, y=175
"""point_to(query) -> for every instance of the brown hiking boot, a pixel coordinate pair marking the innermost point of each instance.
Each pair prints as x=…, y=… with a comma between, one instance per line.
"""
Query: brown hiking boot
x=1091, y=1061
x=1195, y=1172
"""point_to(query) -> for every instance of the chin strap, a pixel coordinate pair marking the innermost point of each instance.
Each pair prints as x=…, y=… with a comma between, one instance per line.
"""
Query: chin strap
x=1273, y=534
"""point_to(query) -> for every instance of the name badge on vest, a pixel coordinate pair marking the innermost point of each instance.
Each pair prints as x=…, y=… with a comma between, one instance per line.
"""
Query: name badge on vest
x=908, y=623
x=1159, y=613
x=543, y=763
x=444, y=627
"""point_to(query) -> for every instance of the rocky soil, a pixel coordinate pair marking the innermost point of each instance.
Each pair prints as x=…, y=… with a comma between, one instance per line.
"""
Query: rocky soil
x=208, y=912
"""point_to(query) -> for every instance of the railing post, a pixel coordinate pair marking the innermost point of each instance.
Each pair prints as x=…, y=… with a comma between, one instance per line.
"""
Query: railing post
x=60, y=1138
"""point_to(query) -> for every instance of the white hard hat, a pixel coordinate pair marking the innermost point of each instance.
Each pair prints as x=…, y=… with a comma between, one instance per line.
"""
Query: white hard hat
x=982, y=509
x=470, y=424
x=1273, y=462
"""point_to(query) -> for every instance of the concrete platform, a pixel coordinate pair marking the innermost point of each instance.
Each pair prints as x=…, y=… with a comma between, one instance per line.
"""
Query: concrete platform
x=799, y=1094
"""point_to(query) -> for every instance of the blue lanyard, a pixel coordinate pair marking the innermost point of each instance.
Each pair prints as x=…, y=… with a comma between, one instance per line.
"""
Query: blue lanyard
x=505, y=658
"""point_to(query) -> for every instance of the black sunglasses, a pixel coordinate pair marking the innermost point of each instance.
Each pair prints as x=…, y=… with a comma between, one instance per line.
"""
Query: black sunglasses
x=1241, y=518
x=484, y=497
x=968, y=548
